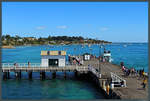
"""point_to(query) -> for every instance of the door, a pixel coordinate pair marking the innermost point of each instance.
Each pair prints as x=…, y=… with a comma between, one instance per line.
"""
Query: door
x=53, y=62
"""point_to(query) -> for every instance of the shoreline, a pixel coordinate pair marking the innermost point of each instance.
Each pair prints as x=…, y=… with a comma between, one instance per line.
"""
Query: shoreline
x=8, y=47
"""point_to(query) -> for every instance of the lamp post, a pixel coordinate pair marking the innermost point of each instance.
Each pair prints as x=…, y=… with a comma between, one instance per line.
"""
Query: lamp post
x=99, y=59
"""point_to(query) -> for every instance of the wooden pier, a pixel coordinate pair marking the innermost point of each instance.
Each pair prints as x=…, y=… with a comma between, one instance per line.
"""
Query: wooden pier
x=102, y=74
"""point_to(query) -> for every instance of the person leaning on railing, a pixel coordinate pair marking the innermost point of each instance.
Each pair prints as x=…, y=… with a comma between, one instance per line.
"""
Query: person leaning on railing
x=28, y=64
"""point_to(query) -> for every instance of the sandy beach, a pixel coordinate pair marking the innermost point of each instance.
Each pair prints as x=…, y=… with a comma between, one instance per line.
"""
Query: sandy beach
x=9, y=47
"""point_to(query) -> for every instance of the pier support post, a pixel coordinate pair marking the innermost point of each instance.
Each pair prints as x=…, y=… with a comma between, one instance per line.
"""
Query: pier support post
x=4, y=75
x=54, y=75
x=76, y=73
x=20, y=75
x=65, y=75
x=42, y=75
x=30, y=75
x=8, y=75
x=16, y=74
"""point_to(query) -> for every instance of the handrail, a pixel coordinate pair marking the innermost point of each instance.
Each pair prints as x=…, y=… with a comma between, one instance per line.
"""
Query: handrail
x=93, y=70
x=116, y=78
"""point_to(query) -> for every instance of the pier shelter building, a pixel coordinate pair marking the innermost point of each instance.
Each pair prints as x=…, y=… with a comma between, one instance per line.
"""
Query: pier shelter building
x=53, y=58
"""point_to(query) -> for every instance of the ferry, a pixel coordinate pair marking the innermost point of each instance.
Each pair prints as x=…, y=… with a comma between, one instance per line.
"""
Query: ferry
x=107, y=56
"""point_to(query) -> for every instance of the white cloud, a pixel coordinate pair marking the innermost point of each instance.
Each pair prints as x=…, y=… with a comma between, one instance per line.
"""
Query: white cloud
x=62, y=27
x=104, y=28
x=40, y=27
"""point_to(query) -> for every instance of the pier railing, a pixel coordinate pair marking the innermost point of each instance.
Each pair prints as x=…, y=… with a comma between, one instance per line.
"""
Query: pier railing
x=37, y=67
x=21, y=65
x=93, y=70
x=116, y=79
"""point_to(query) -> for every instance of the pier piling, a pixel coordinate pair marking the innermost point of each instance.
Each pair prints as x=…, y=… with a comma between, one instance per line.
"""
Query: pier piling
x=30, y=75
x=16, y=74
x=8, y=75
x=54, y=74
x=42, y=75
x=20, y=75
x=65, y=75
x=4, y=75
x=76, y=73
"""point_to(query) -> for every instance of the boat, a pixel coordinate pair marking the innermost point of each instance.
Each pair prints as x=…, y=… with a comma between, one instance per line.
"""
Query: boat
x=124, y=45
x=107, y=56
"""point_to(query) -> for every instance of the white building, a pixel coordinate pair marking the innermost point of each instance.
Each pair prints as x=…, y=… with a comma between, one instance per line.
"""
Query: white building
x=53, y=58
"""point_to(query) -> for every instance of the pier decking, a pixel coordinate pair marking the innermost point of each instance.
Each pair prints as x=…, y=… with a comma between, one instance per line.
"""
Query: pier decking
x=133, y=89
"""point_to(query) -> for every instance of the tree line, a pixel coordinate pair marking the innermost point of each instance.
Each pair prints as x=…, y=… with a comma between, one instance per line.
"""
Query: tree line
x=17, y=40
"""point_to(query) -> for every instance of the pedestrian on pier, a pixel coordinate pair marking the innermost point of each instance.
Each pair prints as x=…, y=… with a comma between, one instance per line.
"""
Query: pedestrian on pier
x=140, y=73
x=132, y=71
x=15, y=64
x=143, y=73
x=121, y=64
x=123, y=68
x=28, y=64
x=144, y=83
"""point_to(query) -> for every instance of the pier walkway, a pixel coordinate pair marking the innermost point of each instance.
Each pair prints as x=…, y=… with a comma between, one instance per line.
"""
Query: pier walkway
x=133, y=89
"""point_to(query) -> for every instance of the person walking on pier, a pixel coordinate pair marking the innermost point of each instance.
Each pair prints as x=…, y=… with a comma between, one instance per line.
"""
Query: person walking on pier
x=15, y=64
x=28, y=64
x=144, y=83
x=121, y=64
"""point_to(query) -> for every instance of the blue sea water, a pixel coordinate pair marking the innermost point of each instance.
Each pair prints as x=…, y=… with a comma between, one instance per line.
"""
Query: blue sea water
x=132, y=54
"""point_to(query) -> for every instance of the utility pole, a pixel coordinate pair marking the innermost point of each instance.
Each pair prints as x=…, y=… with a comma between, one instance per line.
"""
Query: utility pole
x=99, y=59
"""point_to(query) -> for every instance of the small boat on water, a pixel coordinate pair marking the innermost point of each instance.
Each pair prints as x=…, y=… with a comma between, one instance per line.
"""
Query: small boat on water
x=124, y=45
x=107, y=56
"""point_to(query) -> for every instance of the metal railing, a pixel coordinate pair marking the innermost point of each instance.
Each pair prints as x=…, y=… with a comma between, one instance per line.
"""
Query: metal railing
x=20, y=65
x=33, y=66
x=93, y=70
x=116, y=78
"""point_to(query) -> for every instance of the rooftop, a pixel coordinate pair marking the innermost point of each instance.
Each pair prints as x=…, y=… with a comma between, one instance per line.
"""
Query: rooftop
x=53, y=52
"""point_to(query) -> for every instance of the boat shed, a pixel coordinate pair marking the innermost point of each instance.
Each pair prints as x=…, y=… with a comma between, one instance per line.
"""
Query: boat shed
x=53, y=58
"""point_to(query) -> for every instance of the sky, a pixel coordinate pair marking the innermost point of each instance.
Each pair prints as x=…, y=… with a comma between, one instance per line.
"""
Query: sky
x=110, y=21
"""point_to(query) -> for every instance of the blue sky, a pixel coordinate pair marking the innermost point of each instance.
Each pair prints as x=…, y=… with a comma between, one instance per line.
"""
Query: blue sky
x=111, y=21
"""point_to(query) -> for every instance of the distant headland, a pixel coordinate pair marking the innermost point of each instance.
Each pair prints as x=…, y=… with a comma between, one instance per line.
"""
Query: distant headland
x=11, y=41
